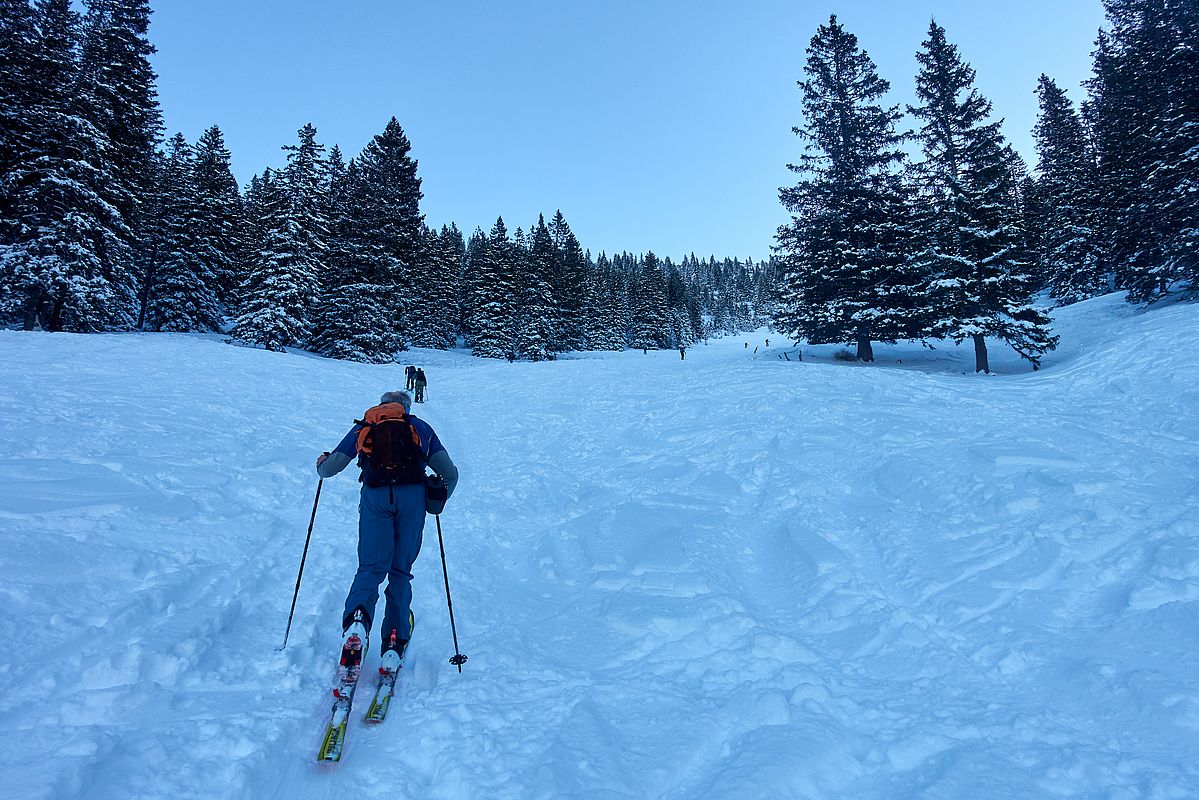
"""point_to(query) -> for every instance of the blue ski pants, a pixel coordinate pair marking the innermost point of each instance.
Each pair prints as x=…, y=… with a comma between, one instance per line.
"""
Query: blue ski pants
x=391, y=522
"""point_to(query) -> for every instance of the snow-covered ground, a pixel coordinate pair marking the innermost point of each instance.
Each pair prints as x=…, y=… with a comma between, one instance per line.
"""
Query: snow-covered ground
x=733, y=576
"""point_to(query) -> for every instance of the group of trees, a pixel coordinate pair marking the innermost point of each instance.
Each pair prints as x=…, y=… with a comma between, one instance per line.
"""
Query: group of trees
x=340, y=260
x=106, y=227
x=531, y=295
x=955, y=244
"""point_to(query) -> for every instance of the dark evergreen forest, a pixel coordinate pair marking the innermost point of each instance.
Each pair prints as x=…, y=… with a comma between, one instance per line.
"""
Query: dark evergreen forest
x=962, y=241
x=107, y=226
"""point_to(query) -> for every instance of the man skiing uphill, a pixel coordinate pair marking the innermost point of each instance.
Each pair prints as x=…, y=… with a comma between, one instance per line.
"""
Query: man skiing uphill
x=393, y=448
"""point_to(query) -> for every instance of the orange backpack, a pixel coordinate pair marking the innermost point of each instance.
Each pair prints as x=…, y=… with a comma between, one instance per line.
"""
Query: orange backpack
x=390, y=451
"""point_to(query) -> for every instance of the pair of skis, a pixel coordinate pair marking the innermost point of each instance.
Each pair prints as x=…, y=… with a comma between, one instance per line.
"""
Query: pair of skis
x=349, y=668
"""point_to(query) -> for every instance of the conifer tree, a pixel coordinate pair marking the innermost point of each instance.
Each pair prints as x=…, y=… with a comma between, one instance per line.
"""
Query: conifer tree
x=443, y=288
x=847, y=250
x=123, y=107
x=607, y=318
x=183, y=296
x=219, y=216
x=66, y=264
x=354, y=318
x=650, y=317
x=1144, y=94
x=19, y=96
x=1065, y=200
x=567, y=285
x=973, y=241
x=282, y=286
x=495, y=291
x=537, y=315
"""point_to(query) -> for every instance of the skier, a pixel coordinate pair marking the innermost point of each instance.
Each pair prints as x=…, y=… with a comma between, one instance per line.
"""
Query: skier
x=391, y=513
x=683, y=353
x=420, y=383
x=410, y=374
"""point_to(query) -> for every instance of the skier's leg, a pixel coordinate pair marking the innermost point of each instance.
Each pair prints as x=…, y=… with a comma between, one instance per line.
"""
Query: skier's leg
x=376, y=524
x=408, y=532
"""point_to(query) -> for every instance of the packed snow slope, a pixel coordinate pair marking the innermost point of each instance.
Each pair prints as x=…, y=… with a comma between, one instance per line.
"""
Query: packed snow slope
x=730, y=576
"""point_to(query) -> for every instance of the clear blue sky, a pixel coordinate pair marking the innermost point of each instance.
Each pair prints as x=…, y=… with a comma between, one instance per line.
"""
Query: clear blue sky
x=654, y=125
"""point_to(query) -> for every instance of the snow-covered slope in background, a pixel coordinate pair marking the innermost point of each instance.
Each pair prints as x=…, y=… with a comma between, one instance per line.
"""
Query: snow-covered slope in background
x=733, y=576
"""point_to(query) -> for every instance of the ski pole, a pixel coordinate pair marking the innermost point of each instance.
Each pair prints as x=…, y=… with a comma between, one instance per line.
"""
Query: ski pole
x=303, y=558
x=458, y=660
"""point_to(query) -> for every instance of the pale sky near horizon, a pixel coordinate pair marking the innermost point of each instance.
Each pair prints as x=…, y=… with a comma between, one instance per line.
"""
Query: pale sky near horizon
x=653, y=125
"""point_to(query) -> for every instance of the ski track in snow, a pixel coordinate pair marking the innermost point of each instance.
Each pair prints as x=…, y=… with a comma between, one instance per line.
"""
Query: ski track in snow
x=727, y=577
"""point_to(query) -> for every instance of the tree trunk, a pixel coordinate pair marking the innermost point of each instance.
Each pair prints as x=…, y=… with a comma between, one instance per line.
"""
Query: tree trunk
x=980, y=354
x=32, y=304
x=865, y=351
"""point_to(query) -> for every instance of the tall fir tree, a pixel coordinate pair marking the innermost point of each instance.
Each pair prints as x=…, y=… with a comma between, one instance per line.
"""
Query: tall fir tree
x=1068, y=241
x=66, y=265
x=183, y=295
x=282, y=286
x=385, y=200
x=847, y=248
x=123, y=107
x=568, y=282
x=443, y=290
x=19, y=95
x=1144, y=114
x=537, y=317
x=354, y=316
x=495, y=289
x=219, y=216
x=647, y=304
x=972, y=238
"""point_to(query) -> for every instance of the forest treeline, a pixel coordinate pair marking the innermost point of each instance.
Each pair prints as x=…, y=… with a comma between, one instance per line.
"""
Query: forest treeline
x=106, y=226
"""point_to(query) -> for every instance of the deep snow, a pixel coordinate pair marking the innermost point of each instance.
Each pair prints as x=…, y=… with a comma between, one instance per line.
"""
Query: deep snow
x=732, y=576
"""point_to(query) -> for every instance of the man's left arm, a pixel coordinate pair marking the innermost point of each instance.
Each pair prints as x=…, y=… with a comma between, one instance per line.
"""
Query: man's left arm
x=329, y=465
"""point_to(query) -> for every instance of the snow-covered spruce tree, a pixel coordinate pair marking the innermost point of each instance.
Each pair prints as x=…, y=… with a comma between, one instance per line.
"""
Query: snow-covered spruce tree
x=385, y=200
x=19, y=95
x=607, y=317
x=357, y=281
x=647, y=305
x=472, y=275
x=1142, y=112
x=494, y=289
x=972, y=245
x=281, y=288
x=115, y=63
x=537, y=314
x=66, y=263
x=847, y=248
x=568, y=286
x=442, y=290
x=219, y=216
x=1065, y=199
x=183, y=294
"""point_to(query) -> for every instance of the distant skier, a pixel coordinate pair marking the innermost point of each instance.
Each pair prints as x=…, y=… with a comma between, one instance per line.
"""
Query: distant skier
x=683, y=353
x=410, y=373
x=393, y=448
x=420, y=383
x=768, y=343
